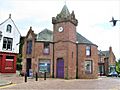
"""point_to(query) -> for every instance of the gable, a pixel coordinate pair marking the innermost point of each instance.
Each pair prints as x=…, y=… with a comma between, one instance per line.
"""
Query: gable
x=9, y=21
x=30, y=36
x=10, y=31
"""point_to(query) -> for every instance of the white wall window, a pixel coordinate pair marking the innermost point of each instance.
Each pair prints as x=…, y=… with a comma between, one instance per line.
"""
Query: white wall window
x=7, y=43
x=9, y=28
x=88, y=51
x=88, y=66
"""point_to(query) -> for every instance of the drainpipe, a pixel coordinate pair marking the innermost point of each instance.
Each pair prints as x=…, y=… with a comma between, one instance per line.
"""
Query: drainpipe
x=53, y=62
x=77, y=60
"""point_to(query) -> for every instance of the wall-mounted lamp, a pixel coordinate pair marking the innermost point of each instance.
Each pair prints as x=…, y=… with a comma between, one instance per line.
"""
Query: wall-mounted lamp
x=0, y=35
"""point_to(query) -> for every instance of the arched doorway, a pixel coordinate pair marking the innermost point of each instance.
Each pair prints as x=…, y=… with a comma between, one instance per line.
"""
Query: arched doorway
x=28, y=66
x=60, y=68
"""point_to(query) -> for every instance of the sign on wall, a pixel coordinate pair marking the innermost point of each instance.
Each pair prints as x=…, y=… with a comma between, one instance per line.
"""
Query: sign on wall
x=44, y=66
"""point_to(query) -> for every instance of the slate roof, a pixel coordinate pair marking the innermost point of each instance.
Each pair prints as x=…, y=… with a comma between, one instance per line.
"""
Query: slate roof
x=82, y=39
x=47, y=35
x=106, y=53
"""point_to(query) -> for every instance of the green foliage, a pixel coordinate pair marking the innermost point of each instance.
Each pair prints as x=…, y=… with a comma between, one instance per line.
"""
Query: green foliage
x=118, y=66
x=19, y=57
x=19, y=60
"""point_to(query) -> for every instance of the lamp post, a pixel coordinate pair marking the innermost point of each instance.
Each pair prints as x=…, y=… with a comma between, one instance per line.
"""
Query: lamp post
x=100, y=62
x=76, y=59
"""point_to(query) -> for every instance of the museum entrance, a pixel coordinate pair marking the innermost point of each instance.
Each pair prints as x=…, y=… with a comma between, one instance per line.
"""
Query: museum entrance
x=60, y=68
x=28, y=66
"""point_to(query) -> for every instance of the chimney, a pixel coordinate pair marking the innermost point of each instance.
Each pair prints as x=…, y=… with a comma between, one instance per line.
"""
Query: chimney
x=30, y=27
x=110, y=49
x=9, y=15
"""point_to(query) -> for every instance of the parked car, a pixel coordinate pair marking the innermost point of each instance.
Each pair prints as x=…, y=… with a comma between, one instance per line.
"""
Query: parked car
x=118, y=75
x=113, y=74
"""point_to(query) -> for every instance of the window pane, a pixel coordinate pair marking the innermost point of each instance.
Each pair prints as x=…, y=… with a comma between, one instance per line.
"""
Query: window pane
x=4, y=43
x=46, y=48
x=88, y=51
x=88, y=66
x=46, y=51
x=29, y=47
x=9, y=27
x=46, y=45
x=44, y=66
x=9, y=44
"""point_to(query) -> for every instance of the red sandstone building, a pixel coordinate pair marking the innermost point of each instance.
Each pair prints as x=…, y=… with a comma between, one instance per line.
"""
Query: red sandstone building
x=106, y=62
x=63, y=53
x=9, y=46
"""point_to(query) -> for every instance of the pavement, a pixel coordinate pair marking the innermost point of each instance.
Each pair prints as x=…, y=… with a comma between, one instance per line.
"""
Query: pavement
x=4, y=81
x=18, y=83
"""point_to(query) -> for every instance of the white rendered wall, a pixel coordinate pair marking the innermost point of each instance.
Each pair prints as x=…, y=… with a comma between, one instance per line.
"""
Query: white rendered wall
x=14, y=34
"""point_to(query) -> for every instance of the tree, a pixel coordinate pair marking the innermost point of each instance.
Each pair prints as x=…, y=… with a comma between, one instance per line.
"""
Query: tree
x=118, y=66
x=19, y=57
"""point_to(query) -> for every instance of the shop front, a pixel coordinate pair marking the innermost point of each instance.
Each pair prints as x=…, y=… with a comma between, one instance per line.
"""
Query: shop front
x=7, y=63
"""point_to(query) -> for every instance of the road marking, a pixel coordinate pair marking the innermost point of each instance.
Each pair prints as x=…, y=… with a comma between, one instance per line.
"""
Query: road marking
x=7, y=86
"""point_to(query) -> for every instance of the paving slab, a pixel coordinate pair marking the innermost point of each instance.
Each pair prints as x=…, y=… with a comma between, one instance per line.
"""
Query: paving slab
x=4, y=83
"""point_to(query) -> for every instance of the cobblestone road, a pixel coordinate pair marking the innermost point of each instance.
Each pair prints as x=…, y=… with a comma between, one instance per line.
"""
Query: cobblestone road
x=103, y=83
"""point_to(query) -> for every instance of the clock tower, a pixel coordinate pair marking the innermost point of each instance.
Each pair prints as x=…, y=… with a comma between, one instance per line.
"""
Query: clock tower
x=64, y=38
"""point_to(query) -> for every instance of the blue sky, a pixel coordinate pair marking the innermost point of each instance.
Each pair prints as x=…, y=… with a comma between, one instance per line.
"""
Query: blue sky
x=93, y=18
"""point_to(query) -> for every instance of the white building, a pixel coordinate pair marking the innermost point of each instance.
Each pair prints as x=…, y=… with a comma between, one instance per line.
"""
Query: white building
x=9, y=45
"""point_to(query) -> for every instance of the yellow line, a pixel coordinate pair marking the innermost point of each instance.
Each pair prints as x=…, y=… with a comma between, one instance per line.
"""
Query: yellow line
x=8, y=86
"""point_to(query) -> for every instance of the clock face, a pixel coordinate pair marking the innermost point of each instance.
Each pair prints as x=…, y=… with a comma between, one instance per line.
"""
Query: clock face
x=60, y=29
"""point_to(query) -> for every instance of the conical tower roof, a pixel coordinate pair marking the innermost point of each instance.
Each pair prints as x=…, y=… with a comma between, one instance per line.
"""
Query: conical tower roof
x=65, y=16
x=65, y=12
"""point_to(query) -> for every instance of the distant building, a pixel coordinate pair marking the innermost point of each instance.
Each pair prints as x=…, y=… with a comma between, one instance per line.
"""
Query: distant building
x=106, y=62
x=9, y=46
x=63, y=53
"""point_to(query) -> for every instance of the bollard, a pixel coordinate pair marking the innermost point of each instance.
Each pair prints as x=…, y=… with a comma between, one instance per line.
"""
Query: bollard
x=44, y=75
x=36, y=76
x=25, y=77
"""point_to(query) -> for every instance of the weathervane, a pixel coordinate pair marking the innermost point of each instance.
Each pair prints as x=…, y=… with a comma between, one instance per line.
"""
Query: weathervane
x=114, y=21
x=65, y=2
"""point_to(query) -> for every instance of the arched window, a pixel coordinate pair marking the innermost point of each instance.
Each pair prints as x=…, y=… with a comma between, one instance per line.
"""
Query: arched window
x=9, y=28
x=29, y=47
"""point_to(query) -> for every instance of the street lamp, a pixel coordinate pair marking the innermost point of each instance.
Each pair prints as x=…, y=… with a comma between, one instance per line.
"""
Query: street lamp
x=77, y=60
x=100, y=62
